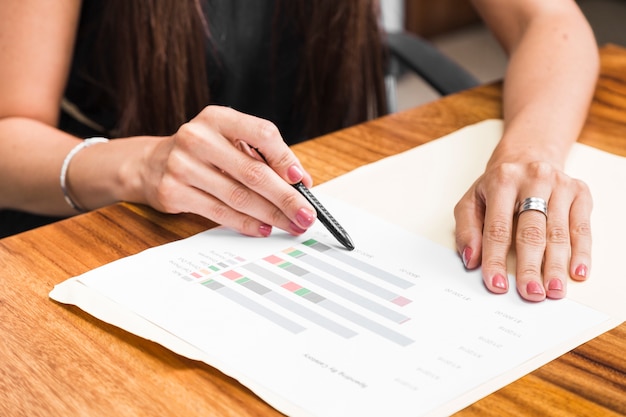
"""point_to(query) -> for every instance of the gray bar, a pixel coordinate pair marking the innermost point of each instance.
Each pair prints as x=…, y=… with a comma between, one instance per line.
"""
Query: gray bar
x=363, y=266
x=268, y=275
x=256, y=287
x=295, y=307
x=255, y=307
x=356, y=318
x=311, y=315
x=348, y=277
x=313, y=297
x=212, y=284
x=357, y=298
x=296, y=270
x=335, y=288
x=331, y=306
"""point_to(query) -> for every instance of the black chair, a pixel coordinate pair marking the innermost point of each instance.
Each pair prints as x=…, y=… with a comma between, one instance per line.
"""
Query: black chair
x=408, y=51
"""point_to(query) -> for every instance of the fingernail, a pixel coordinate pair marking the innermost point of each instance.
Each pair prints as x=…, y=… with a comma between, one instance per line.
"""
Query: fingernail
x=305, y=217
x=294, y=173
x=467, y=256
x=533, y=287
x=581, y=271
x=296, y=229
x=499, y=281
x=265, y=230
x=555, y=285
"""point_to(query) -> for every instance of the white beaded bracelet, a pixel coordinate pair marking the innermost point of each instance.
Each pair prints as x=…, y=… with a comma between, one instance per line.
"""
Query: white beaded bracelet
x=66, y=163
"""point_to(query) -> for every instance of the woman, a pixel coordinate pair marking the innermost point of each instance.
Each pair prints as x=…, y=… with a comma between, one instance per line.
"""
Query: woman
x=143, y=72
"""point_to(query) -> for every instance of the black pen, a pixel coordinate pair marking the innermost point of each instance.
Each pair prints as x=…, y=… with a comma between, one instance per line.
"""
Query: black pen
x=323, y=215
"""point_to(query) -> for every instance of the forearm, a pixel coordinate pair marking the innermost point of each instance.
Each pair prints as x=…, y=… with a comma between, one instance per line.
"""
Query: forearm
x=548, y=87
x=31, y=156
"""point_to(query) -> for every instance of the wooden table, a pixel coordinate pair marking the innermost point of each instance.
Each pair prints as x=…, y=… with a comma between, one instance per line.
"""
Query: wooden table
x=58, y=360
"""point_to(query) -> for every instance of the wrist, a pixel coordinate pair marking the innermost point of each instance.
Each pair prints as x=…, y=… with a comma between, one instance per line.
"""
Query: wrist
x=529, y=151
x=132, y=174
x=63, y=176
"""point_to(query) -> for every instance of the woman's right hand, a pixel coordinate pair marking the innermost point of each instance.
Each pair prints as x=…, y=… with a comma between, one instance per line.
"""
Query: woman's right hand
x=200, y=170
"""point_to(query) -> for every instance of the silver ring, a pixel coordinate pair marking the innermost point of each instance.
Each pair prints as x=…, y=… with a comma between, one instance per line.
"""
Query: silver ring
x=534, y=203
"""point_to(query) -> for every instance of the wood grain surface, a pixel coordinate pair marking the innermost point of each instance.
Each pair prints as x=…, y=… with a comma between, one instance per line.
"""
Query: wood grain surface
x=57, y=360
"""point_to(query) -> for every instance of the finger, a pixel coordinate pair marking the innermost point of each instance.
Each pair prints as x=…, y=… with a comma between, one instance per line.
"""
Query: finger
x=260, y=178
x=469, y=214
x=174, y=196
x=580, y=232
x=211, y=148
x=260, y=134
x=497, y=237
x=530, y=246
x=243, y=199
x=557, y=253
x=234, y=197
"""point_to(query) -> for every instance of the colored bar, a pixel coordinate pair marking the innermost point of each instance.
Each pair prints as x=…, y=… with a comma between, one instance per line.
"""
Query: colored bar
x=348, y=277
x=273, y=259
x=291, y=286
x=232, y=275
x=256, y=287
x=401, y=301
x=336, y=288
x=292, y=306
x=212, y=284
x=338, y=309
x=358, y=299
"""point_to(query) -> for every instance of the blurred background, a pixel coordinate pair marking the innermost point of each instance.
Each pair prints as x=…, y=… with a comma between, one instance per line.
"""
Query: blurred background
x=454, y=27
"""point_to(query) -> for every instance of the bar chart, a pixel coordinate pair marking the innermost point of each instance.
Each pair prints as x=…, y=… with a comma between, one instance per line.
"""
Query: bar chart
x=352, y=296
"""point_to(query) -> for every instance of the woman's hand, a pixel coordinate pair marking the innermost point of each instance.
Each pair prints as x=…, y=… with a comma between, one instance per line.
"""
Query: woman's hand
x=201, y=170
x=550, y=248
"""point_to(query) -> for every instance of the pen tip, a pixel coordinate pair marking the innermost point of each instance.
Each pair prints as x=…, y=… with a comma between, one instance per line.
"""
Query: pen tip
x=348, y=243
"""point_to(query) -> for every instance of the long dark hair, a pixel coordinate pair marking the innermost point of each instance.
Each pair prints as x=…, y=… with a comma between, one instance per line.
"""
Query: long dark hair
x=159, y=78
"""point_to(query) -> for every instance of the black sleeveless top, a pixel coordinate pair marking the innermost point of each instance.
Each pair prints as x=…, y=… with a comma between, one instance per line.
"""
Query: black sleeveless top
x=241, y=74
x=247, y=69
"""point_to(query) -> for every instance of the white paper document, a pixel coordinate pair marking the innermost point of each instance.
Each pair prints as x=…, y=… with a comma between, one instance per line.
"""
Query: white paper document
x=397, y=327
x=418, y=189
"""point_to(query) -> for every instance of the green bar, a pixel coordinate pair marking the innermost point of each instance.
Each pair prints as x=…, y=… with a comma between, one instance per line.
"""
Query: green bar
x=310, y=242
x=213, y=267
x=242, y=280
x=302, y=291
x=296, y=253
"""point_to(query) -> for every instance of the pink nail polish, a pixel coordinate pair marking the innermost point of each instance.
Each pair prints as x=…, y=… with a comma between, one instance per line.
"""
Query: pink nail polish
x=294, y=173
x=555, y=285
x=296, y=229
x=467, y=256
x=499, y=281
x=265, y=230
x=534, y=287
x=581, y=271
x=305, y=218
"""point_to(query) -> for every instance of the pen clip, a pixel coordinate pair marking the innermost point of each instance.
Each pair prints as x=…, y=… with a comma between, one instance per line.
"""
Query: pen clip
x=251, y=151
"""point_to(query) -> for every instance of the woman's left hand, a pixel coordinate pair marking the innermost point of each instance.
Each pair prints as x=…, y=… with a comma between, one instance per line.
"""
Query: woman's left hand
x=549, y=248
